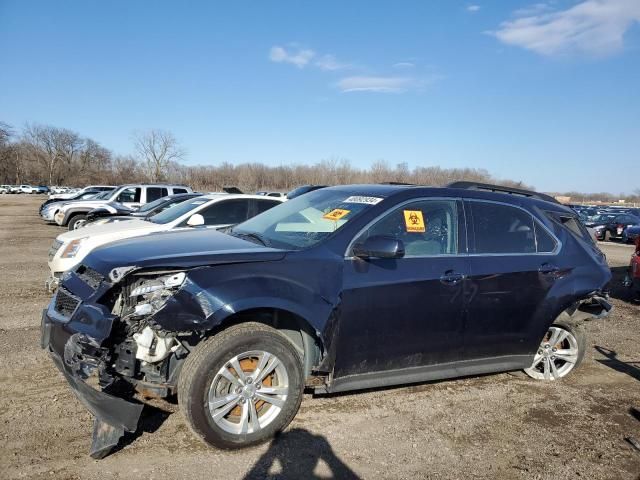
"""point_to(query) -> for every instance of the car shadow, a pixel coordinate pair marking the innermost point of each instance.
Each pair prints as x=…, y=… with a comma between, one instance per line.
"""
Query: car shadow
x=296, y=454
x=630, y=368
x=150, y=420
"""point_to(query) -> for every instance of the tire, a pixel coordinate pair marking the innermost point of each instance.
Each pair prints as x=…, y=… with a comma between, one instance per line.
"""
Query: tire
x=201, y=381
x=572, y=342
x=77, y=221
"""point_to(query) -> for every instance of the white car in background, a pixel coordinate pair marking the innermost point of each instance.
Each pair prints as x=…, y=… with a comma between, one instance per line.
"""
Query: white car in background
x=26, y=189
x=273, y=194
x=216, y=211
x=69, y=192
x=5, y=189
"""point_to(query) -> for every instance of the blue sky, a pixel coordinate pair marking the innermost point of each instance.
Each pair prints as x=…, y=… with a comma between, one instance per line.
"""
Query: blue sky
x=547, y=93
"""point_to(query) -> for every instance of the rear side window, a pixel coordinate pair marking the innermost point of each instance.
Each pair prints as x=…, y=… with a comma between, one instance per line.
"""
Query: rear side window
x=226, y=212
x=264, y=205
x=154, y=193
x=501, y=229
x=179, y=190
x=545, y=243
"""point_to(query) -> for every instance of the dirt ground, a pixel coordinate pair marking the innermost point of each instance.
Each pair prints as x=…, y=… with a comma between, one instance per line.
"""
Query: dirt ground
x=494, y=426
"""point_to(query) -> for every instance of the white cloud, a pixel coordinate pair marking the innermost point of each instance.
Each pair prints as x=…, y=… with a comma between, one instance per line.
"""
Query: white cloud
x=473, y=8
x=297, y=56
x=534, y=9
x=592, y=27
x=403, y=65
x=386, y=83
x=375, y=84
x=329, y=62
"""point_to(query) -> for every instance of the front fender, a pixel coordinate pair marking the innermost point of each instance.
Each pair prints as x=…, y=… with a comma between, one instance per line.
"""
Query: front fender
x=212, y=294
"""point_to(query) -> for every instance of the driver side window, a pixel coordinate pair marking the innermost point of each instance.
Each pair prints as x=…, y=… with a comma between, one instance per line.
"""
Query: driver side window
x=129, y=195
x=426, y=228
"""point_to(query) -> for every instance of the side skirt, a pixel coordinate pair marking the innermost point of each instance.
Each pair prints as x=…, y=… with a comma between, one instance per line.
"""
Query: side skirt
x=428, y=373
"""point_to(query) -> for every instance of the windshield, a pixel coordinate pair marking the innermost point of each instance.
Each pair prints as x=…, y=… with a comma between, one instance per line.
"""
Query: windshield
x=178, y=210
x=150, y=206
x=604, y=218
x=306, y=220
x=103, y=195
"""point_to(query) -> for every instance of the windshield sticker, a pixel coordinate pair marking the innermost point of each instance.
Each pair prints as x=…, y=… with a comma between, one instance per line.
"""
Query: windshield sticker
x=335, y=214
x=414, y=222
x=365, y=200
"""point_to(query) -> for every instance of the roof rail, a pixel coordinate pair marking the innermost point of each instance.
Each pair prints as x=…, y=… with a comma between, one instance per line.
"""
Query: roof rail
x=502, y=189
x=397, y=183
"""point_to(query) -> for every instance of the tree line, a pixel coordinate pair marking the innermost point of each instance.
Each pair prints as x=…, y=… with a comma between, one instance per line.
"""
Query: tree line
x=47, y=155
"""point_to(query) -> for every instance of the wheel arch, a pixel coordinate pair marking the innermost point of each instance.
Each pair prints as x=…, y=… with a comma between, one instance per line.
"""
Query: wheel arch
x=297, y=329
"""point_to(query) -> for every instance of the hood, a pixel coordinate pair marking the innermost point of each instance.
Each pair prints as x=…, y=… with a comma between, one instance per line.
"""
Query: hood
x=139, y=226
x=89, y=203
x=115, y=208
x=181, y=249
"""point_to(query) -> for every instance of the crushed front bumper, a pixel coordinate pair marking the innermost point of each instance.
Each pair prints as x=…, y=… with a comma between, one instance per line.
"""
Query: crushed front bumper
x=73, y=357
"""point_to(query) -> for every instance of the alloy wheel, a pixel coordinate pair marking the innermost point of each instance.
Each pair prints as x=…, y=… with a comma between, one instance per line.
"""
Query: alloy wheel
x=556, y=356
x=248, y=392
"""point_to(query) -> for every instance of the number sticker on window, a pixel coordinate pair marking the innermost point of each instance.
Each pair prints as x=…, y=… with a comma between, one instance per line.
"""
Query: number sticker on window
x=414, y=222
x=336, y=214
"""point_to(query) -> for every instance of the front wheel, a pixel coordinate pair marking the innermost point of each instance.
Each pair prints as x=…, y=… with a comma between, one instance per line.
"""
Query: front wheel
x=78, y=221
x=241, y=386
x=560, y=352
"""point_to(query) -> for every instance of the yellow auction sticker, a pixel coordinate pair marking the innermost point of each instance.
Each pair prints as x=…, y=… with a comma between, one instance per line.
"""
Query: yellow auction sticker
x=413, y=221
x=336, y=214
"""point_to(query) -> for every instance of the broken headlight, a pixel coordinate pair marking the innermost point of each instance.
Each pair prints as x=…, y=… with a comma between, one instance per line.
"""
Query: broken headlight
x=150, y=295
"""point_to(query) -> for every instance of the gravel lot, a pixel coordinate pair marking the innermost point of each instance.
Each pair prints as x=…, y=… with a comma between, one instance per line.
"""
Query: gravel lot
x=494, y=426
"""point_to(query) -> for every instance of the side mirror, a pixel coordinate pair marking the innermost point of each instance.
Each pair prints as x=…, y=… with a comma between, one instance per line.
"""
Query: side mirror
x=195, y=220
x=379, y=246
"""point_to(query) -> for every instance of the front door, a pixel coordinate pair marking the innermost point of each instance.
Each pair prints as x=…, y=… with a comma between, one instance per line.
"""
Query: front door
x=405, y=312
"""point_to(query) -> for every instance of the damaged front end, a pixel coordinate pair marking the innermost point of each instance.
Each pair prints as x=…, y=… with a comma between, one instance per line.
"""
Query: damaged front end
x=101, y=336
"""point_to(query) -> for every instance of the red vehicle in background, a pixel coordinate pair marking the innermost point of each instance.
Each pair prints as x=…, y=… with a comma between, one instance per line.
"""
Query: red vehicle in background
x=633, y=275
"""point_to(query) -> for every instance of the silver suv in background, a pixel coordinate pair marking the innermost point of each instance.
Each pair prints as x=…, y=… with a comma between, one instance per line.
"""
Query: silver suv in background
x=74, y=214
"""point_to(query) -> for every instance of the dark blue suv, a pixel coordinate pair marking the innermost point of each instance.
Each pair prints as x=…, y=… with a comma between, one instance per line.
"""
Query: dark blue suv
x=342, y=288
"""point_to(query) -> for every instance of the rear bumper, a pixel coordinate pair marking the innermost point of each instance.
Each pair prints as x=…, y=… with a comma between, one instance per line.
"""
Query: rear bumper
x=76, y=356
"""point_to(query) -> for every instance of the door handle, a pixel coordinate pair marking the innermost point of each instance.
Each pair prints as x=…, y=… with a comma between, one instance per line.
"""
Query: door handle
x=548, y=269
x=451, y=278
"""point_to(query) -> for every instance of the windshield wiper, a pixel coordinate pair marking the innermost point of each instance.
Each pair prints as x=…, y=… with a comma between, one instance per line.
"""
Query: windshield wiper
x=251, y=236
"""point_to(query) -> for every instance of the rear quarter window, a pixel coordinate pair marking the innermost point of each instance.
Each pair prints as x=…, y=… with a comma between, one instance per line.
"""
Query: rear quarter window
x=571, y=223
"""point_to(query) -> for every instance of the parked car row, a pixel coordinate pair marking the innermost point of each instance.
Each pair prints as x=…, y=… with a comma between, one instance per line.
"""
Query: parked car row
x=23, y=189
x=609, y=223
x=237, y=303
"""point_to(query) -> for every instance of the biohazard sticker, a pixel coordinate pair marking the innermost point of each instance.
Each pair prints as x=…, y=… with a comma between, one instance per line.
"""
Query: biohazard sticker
x=414, y=222
x=336, y=214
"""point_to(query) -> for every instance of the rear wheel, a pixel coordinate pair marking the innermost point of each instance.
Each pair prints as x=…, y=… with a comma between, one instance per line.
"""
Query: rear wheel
x=560, y=352
x=77, y=221
x=241, y=386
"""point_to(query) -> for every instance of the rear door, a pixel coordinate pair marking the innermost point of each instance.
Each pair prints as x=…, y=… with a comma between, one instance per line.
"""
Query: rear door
x=154, y=193
x=513, y=264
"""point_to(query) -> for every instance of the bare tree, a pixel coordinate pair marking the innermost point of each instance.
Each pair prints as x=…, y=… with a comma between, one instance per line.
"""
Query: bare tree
x=158, y=149
x=51, y=146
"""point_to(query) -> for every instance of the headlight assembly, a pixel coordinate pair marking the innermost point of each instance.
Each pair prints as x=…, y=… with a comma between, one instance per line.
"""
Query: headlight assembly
x=151, y=295
x=72, y=248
